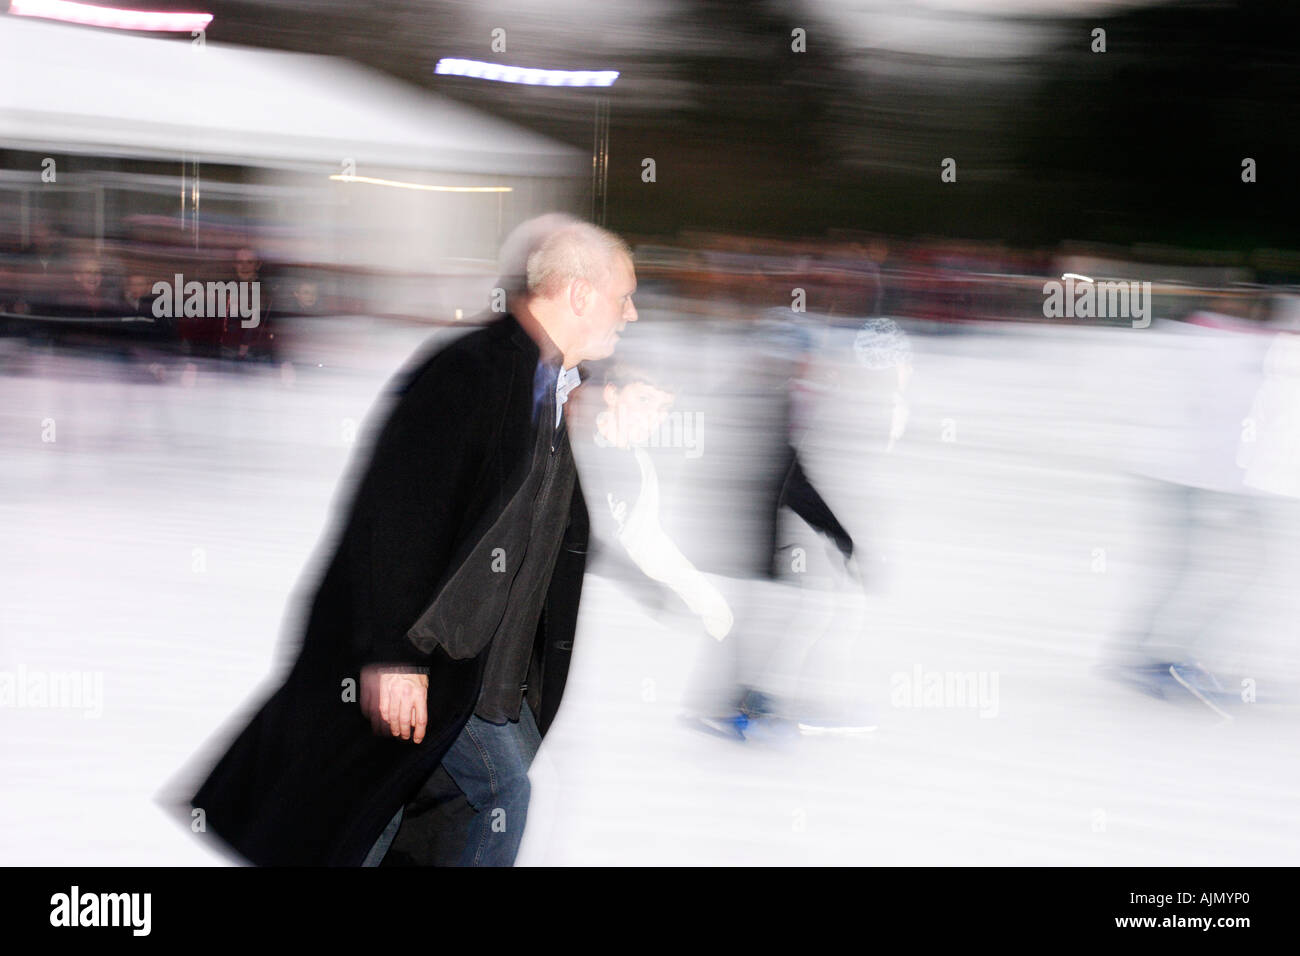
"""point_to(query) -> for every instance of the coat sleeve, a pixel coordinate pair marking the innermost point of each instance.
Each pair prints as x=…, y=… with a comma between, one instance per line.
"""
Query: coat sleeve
x=802, y=498
x=412, y=504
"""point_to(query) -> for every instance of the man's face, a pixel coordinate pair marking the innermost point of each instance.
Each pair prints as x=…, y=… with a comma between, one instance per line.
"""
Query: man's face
x=606, y=309
x=305, y=294
x=88, y=277
x=137, y=286
x=246, y=265
x=42, y=239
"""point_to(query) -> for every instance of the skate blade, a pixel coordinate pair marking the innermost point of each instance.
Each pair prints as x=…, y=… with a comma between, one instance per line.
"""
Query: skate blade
x=813, y=730
x=1199, y=696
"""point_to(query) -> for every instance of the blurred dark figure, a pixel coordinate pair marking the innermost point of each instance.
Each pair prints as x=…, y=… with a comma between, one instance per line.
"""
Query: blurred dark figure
x=44, y=270
x=46, y=246
x=137, y=296
x=304, y=297
x=88, y=296
x=296, y=297
x=248, y=337
x=150, y=336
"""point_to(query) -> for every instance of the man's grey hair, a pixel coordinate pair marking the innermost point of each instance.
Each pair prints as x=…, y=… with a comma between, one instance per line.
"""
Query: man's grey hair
x=543, y=255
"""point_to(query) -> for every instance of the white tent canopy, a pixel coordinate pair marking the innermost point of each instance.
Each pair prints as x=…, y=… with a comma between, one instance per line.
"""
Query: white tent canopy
x=82, y=90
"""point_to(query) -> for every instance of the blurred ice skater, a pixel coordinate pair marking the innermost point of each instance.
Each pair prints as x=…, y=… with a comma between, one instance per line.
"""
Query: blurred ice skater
x=1207, y=527
x=749, y=684
x=1270, y=455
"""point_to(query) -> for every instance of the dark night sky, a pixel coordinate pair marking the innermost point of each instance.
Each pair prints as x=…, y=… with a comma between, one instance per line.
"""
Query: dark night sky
x=1142, y=143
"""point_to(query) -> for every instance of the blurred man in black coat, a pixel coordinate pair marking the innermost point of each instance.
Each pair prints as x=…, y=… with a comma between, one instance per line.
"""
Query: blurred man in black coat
x=444, y=624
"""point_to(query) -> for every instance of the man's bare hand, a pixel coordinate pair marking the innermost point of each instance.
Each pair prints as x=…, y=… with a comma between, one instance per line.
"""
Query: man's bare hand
x=395, y=702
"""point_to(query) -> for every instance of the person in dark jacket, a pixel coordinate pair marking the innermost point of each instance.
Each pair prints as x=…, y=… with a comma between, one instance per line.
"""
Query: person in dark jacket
x=247, y=337
x=441, y=632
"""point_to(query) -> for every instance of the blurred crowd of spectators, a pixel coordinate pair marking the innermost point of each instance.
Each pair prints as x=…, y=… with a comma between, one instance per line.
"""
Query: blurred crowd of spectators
x=946, y=281
x=63, y=287
x=66, y=288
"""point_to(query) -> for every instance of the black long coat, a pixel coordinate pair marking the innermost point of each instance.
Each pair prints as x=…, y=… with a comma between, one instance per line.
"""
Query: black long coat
x=308, y=782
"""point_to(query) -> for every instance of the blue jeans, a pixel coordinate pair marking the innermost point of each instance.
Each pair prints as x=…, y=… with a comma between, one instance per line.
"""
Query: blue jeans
x=380, y=849
x=489, y=763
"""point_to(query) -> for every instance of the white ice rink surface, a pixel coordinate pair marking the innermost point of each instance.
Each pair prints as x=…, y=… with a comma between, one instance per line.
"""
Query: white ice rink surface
x=155, y=544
